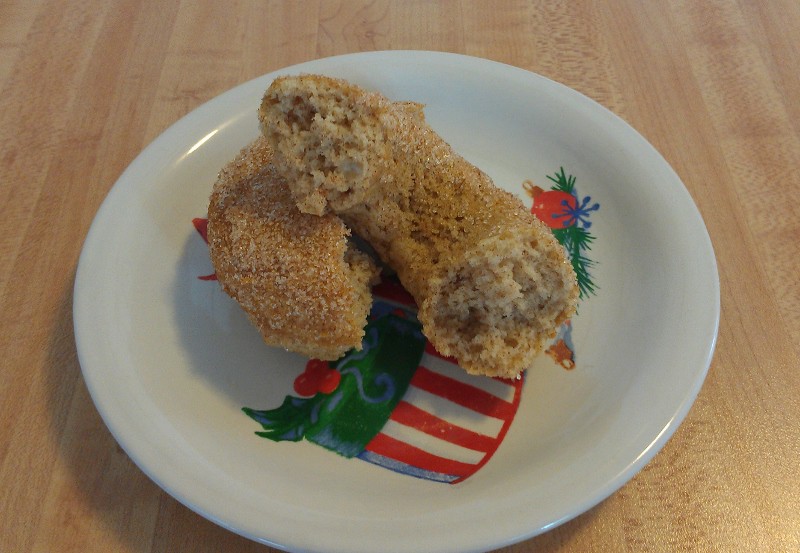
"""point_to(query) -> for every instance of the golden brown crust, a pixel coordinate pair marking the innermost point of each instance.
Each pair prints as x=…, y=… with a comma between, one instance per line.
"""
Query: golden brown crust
x=294, y=274
x=491, y=281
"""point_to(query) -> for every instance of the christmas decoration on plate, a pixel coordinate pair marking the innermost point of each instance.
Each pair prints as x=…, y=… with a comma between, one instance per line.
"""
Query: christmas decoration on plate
x=398, y=403
x=561, y=209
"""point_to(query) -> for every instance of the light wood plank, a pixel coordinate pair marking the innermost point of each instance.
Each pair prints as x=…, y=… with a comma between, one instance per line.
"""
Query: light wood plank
x=713, y=85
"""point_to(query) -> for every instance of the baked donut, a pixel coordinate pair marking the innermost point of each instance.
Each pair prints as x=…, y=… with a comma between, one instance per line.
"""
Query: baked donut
x=298, y=277
x=491, y=281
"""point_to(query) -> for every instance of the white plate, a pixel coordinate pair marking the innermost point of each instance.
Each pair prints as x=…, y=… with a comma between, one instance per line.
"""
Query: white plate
x=170, y=360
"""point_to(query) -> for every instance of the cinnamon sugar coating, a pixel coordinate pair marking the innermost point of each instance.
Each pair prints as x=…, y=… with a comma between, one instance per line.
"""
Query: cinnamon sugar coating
x=296, y=275
x=492, y=283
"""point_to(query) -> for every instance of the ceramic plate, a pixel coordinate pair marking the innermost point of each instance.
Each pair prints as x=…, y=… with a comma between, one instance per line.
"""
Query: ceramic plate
x=449, y=463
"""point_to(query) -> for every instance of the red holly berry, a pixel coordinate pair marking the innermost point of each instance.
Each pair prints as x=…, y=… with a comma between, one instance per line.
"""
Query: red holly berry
x=305, y=385
x=317, y=366
x=330, y=382
x=318, y=377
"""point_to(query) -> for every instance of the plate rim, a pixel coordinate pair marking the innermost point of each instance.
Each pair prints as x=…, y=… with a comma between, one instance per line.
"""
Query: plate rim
x=81, y=287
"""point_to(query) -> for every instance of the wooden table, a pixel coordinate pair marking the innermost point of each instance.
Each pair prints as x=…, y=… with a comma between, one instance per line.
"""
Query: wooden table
x=714, y=85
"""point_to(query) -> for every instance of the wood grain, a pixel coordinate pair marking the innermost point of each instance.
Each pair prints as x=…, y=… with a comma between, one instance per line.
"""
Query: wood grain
x=713, y=85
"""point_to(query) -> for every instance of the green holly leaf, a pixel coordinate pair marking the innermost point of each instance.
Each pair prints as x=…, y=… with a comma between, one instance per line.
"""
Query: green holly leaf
x=576, y=240
x=373, y=382
x=563, y=182
x=290, y=421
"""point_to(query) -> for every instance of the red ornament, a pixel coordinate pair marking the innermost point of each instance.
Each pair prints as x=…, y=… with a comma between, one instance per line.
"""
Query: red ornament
x=552, y=207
